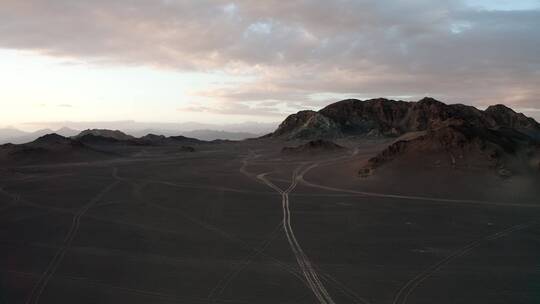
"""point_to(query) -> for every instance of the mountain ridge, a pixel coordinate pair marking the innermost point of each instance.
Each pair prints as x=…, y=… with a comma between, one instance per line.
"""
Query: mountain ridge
x=497, y=135
x=392, y=118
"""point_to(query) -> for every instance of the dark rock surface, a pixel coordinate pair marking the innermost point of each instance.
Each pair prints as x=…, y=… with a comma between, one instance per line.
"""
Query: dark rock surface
x=314, y=146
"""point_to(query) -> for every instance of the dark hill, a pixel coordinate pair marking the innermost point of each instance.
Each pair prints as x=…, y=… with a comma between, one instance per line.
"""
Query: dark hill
x=114, y=134
x=314, y=147
x=52, y=139
x=160, y=140
x=49, y=148
x=103, y=137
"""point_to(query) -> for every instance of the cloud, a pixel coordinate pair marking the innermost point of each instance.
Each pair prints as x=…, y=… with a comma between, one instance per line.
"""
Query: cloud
x=236, y=108
x=298, y=49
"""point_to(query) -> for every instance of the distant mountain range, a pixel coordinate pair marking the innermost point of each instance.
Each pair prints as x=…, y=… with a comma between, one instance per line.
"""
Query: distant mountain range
x=88, y=145
x=497, y=137
x=15, y=136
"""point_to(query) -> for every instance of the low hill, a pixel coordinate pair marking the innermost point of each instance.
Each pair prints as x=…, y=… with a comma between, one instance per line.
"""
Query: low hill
x=161, y=140
x=50, y=148
x=115, y=137
x=114, y=134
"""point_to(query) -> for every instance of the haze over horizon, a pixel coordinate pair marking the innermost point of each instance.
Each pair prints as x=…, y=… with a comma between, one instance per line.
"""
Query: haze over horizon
x=226, y=62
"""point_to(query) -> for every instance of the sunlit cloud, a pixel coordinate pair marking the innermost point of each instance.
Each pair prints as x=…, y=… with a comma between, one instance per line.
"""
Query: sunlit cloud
x=171, y=60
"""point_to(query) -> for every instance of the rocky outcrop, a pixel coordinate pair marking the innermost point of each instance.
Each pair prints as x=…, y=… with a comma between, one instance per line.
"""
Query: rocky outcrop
x=496, y=146
x=307, y=124
x=502, y=116
x=314, y=147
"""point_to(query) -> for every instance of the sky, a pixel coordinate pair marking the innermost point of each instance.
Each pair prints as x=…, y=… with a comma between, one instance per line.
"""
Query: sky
x=174, y=61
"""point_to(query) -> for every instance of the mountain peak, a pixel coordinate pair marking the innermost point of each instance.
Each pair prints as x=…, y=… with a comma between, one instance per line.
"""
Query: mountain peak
x=430, y=100
x=499, y=108
x=52, y=138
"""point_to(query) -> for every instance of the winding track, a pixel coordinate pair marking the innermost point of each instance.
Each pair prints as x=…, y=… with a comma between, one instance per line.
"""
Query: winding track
x=205, y=225
x=416, y=198
x=40, y=286
x=403, y=293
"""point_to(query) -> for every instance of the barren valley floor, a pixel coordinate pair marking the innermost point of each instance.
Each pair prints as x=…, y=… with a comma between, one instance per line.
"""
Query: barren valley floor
x=241, y=223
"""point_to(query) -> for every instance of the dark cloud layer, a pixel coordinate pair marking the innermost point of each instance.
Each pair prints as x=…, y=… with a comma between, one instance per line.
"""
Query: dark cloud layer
x=299, y=48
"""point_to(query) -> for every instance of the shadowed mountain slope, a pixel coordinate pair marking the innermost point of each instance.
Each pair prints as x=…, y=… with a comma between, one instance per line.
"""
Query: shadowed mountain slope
x=314, y=147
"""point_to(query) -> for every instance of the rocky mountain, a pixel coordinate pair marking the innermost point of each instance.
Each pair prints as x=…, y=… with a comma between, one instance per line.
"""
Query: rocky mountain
x=383, y=117
x=497, y=136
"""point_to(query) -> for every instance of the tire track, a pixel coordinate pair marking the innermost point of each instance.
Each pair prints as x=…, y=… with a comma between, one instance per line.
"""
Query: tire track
x=413, y=198
x=303, y=261
x=404, y=292
x=328, y=278
x=53, y=265
x=169, y=298
x=228, y=278
x=145, y=227
x=255, y=251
